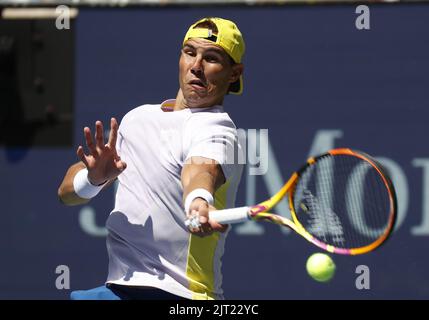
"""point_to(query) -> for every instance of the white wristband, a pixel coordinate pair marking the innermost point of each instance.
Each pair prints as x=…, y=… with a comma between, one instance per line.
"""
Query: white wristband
x=198, y=193
x=83, y=188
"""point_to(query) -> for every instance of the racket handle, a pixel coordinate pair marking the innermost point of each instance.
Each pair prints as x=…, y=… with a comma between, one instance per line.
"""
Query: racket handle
x=227, y=216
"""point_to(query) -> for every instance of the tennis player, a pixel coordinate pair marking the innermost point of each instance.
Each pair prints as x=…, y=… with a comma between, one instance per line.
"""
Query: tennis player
x=172, y=160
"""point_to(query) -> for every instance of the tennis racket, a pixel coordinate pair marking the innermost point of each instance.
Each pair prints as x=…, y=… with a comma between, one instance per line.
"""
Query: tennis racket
x=342, y=201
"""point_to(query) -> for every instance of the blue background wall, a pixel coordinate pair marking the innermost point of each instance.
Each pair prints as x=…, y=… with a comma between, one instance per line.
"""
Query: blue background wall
x=311, y=78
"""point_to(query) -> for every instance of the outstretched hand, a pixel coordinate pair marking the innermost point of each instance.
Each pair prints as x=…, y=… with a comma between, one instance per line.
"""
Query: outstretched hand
x=103, y=162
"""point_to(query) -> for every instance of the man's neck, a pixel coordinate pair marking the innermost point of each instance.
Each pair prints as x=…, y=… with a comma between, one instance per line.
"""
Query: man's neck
x=181, y=103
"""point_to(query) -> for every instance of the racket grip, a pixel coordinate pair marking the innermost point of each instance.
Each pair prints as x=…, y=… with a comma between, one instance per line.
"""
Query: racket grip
x=227, y=216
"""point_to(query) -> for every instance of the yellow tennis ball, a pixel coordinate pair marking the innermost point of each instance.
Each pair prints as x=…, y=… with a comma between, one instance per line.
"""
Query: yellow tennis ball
x=320, y=267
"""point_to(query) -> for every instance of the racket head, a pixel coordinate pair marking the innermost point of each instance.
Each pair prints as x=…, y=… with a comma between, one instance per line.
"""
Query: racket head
x=344, y=202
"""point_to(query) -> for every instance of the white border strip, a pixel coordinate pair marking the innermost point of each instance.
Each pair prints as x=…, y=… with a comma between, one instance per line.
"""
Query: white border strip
x=35, y=13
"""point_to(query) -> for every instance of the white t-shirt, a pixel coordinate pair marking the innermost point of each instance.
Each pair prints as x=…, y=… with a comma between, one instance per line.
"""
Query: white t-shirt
x=148, y=243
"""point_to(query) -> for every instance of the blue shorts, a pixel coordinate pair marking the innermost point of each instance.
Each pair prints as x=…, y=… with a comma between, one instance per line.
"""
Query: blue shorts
x=112, y=291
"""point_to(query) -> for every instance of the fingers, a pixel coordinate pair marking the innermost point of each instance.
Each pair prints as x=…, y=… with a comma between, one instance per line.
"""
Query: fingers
x=99, y=136
x=206, y=226
x=199, y=208
x=113, y=133
x=200, y=227
x=216, y=226
x=82, y=155
x=89, y=141
x=121, y=165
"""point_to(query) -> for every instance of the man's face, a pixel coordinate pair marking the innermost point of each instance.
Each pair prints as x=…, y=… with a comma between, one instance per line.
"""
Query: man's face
x=205, y=73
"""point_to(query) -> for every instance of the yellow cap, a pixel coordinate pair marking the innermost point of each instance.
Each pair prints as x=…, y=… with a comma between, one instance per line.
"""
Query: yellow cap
x=228, y=37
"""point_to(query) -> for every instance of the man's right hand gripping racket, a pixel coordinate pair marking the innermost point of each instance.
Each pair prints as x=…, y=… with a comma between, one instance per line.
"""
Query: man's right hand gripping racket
x=342, y=201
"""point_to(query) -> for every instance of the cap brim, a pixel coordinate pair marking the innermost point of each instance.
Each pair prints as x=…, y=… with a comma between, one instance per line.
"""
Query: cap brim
x=237, y=86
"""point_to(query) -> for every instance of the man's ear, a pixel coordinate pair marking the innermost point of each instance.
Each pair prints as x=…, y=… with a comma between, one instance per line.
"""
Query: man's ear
x=237, y=71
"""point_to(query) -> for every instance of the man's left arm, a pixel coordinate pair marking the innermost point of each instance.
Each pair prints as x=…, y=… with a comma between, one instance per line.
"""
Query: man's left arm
x=201, y=177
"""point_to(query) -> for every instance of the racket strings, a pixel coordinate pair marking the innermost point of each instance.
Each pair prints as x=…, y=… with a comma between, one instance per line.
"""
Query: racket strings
x=354, y=200
x=325, y=187
x=322, y=221
x=367, y=202
x=370, y=225
x=343, y=201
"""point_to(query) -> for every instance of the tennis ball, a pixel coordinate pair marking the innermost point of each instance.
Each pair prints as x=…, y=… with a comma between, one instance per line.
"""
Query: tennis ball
x=320, y=267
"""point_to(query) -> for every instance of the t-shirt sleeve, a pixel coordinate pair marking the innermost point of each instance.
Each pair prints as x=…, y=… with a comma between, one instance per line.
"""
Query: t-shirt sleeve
x=213, y=136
